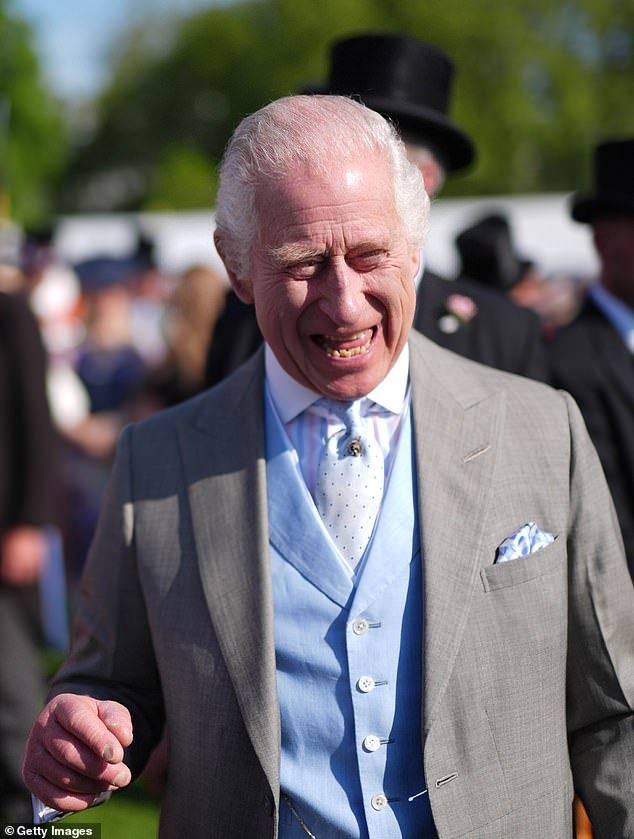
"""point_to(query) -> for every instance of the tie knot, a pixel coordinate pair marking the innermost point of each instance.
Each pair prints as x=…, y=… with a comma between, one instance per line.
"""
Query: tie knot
x=349, y=413
x=352, y=440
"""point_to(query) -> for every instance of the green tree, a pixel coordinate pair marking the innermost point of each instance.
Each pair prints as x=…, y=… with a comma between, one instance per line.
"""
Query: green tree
x=537, y=83
x=183, y=177
x=32, y=137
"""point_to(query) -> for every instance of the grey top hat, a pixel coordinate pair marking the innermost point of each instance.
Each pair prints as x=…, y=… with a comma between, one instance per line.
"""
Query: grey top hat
x=406, y=80
x=613, y=193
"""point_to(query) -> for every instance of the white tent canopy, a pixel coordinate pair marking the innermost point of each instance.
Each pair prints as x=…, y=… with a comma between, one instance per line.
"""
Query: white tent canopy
x=541, y=224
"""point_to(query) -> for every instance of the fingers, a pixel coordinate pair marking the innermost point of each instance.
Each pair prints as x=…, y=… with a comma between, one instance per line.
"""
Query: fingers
x=104, y=726
x=75, y=751
x=116, y=718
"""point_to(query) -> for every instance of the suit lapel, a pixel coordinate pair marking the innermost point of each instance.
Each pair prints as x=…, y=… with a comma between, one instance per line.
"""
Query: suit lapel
x=456, y=430
x=224, y=461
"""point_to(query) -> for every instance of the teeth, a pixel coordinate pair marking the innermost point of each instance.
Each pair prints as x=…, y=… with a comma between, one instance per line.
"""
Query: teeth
x=347, y=338
x=347, y=353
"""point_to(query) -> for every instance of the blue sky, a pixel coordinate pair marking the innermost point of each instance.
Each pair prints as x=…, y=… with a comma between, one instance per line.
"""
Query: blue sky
x=72, y=37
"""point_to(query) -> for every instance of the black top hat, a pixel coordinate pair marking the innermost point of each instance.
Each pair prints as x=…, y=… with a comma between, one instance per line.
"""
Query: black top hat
x=407, y=81
x=613, y=183
x=487, y=253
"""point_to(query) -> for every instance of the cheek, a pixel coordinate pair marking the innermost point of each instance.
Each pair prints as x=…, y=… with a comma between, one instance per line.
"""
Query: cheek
x=404, y=298
x=281, y=302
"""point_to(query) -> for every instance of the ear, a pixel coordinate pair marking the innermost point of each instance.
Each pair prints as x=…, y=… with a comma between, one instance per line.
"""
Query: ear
x=432, y=176
x=241, y=285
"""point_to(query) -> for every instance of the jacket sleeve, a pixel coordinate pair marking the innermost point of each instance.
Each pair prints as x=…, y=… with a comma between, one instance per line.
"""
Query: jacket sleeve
x=112, y=655
x=600, y=687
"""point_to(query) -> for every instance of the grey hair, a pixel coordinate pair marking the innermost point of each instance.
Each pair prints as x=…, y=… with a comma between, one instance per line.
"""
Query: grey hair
x=307, y=131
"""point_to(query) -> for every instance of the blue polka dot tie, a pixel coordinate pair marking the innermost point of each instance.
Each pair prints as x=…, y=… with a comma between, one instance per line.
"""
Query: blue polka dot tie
x=349, y=485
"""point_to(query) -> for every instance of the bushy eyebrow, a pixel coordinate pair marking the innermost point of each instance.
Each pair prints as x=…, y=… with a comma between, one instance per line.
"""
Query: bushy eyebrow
x=295, y=253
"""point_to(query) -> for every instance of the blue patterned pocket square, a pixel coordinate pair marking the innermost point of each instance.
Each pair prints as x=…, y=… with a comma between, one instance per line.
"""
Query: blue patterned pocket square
x=527, y=540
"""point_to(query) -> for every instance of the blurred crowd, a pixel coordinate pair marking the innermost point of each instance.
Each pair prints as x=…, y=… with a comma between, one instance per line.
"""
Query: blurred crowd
x=84, y=350
x=88, y=348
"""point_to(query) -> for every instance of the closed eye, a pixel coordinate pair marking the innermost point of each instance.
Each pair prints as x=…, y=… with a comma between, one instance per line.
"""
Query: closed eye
x=305, y=269
x=366, y=261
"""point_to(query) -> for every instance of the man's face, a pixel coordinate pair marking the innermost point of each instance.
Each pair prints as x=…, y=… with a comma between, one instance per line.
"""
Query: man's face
x=614, y=238
x=332, y=276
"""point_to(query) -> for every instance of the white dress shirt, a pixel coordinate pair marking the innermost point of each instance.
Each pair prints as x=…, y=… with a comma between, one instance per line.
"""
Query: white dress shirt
x=307, y=430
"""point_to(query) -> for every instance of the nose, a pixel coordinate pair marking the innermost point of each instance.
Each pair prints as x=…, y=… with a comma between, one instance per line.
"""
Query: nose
x=342, y=293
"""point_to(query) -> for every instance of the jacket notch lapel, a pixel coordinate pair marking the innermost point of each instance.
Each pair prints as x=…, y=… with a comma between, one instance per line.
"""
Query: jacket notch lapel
x=456, y=438
x=227, y=496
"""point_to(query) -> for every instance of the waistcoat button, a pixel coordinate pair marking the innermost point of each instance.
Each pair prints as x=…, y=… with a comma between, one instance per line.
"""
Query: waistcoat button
x=366, y=684
x=371, y=743
x=360, y=626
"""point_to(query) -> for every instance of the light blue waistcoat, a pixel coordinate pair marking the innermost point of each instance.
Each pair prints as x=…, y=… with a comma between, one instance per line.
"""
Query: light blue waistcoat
x=349, y=660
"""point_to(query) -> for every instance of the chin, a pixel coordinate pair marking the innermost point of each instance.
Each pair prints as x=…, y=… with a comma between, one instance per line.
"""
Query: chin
x=350, y=387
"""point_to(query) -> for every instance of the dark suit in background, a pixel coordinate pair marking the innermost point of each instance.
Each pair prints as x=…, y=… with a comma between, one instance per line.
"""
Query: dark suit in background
x=590, y=358
x=26, y=450
x=592, y=362
x=500, y=334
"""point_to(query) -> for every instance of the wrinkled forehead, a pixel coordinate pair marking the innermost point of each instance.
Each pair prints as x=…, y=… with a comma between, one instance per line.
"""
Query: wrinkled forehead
x=346, y=182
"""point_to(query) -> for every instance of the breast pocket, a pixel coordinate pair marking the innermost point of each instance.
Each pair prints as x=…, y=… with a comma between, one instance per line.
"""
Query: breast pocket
x=522, y=609
x=548, y=560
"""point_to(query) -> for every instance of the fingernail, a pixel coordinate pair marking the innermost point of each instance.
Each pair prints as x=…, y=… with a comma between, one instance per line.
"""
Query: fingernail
x=125, y=733
x=122, y=779
x=108, y=753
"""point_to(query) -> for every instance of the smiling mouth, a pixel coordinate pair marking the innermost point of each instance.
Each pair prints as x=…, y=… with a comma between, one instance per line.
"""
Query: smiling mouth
x=346, y=346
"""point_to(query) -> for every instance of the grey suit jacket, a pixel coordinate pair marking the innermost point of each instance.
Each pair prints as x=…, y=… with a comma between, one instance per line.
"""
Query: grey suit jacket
x=528, y=665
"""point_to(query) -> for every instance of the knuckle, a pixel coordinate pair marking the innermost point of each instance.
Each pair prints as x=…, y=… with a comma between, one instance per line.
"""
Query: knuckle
x=66, y=751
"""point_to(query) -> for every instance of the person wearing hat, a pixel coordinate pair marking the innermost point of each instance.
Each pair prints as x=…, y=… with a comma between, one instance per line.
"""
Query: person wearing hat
x=409, y=82
x=488, y=256
x=111, y=375
x=593, y=357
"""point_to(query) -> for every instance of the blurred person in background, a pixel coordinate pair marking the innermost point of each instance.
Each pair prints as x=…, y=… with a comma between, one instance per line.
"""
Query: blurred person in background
x=27, y=468
x=488, y=255
x=410, y=82
x=151, y=288
x=55, y=298
x=189, y=321
x=592, y=358
x=113, y=374
x=108, y=363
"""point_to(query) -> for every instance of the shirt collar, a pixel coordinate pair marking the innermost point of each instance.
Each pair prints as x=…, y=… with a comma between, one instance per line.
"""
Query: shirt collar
x=292, y=398
x=618, y=313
